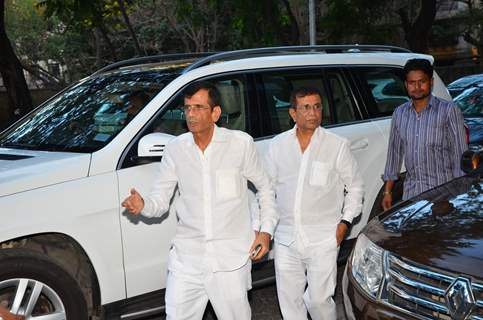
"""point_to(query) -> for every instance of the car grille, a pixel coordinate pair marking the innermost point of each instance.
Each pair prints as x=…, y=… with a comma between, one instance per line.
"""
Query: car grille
x=422, y=291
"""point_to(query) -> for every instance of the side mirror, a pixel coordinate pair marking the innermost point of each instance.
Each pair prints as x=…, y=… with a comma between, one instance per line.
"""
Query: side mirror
x=152, y=145
x=471, y=161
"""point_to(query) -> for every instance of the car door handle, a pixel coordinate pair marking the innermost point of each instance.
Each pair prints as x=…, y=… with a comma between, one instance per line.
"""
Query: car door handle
x=359, y=144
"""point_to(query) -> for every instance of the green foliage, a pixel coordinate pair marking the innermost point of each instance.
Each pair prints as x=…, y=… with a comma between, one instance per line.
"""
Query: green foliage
x=25, y=27
x=85, y=35
x=358, y=21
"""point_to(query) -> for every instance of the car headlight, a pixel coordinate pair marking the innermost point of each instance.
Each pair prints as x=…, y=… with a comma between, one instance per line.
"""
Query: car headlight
x=367, y=266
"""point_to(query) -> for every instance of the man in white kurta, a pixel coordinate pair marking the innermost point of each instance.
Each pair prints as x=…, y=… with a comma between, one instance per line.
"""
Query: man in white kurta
x=318, y=193
x=210, y=256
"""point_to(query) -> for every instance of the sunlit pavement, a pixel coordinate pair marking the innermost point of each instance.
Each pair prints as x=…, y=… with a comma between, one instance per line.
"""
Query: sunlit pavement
x=265, y=305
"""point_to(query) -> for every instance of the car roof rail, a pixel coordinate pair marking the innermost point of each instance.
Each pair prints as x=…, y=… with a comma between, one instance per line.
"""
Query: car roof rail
x=245, y=53
x=151, y=59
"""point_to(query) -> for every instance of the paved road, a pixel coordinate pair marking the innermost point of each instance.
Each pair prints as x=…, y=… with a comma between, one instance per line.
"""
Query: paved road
x=265, y=306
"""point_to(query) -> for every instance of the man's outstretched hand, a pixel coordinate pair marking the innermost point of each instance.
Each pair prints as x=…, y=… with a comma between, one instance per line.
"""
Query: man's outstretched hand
x=134, y=203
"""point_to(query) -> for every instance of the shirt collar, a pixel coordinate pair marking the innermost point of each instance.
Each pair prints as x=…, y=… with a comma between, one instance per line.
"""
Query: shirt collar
x=319, y=132
x=431, y=103
x=219, y=135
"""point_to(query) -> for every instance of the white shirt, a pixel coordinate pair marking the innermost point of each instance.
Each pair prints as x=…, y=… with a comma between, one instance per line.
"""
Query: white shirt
x=214, y=224
x=310, y=186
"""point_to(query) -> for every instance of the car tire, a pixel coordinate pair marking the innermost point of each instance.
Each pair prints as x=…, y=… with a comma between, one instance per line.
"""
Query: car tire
x=30, y=276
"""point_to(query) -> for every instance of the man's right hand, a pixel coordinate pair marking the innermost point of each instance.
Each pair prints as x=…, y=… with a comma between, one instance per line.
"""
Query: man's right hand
x=134, y=203
x=387, y=201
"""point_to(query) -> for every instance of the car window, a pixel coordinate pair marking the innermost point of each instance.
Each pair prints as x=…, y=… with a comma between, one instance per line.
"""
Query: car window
x=85, y=117
x=343, y=104
x=233, y=93
x=171, y=119
x=384, y=87
x=277, y=87
x=233, y=105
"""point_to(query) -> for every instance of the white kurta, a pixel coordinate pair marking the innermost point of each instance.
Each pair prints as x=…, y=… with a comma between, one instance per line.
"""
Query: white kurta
x=214, y=231
x=310, y=186
x=315, y=190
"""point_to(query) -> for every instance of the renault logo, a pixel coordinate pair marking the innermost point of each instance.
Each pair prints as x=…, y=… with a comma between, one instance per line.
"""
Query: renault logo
x=459, y=299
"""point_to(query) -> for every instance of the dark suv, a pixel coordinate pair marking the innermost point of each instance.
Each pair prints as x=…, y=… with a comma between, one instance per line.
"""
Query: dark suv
x=422, y=259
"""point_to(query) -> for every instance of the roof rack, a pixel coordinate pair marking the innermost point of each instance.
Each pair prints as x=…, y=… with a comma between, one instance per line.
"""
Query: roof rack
x=237, y=54
x=150, y=59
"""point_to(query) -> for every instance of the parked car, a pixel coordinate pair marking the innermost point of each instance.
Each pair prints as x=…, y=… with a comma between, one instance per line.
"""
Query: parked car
x=466, y=93
x=422, y=259
x=67, y=165
x=470, y=101
x=458, y=86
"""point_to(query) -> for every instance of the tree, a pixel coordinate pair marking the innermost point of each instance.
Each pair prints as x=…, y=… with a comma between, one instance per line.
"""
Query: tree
x=472, y=23
x=84, y=15
x=123, y=10
x=417, y=18
x=34, y=41
x=19, y=99
x=359, y=21
x=293, y=24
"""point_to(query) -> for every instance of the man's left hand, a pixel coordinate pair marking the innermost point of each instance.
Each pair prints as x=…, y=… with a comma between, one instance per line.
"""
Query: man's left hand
x=340, y=233
x=262, y=239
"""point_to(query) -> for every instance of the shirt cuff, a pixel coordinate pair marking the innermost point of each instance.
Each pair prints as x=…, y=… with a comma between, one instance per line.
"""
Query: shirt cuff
x=256, y=225
x=148, y=210
x=347, y=223
x=268, y=228
x=349, y=216
x=391, y=177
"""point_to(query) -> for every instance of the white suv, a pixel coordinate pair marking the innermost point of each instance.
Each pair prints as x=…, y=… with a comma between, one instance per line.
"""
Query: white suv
x=66, y=244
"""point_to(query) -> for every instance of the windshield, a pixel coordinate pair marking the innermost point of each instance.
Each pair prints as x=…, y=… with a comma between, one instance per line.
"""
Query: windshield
x=470, y=101
x=85, y=117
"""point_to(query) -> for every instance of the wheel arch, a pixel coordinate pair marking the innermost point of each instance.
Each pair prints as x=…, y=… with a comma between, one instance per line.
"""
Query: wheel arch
x=69, y=255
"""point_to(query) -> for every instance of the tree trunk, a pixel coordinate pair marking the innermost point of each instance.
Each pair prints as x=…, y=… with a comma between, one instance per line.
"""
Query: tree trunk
x=97, y=38
x=417, y=32
x=105, y=35
x=137, y=47
x=294, y=26
x=19, y=100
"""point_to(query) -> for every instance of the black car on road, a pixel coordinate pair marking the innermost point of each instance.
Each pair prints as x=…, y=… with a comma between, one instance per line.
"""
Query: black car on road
x=423, y=258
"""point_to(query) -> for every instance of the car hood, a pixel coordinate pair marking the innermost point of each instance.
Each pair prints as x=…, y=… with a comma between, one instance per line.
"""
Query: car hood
x=442, y=228
x=22, y=170
x=475, y=125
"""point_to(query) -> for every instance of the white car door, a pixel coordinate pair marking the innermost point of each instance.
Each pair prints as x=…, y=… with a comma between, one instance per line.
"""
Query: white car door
x=146, y=241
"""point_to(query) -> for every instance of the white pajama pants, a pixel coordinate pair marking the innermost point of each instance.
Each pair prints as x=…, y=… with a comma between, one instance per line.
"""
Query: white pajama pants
x=188, y=292
x=306, y=280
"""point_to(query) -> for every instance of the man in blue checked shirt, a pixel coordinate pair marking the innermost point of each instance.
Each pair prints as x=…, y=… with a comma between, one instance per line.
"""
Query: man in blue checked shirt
x=427, y=132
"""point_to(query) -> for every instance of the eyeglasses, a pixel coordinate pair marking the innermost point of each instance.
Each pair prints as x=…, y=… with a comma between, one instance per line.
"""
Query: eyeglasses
x=193, y=107
x=307, y=107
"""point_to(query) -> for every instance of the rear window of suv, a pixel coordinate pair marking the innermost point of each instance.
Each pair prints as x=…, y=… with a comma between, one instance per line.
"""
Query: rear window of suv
x=383, y=87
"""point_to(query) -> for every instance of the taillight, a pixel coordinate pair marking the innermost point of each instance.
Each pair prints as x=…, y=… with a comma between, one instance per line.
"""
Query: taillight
x=467, y=131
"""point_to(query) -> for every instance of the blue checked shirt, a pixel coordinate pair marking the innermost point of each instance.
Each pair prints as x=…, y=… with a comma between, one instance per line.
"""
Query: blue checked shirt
x=431, y=144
